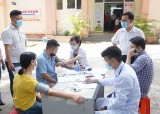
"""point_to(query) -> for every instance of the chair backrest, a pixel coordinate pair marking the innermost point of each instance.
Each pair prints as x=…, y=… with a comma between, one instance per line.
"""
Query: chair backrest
x=144, y=105
x=13, y=111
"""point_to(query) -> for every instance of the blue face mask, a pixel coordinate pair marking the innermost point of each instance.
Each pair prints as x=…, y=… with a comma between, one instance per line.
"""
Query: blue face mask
x=74, y=47
x=124, y=24
x=107, y=66
x=19, y=23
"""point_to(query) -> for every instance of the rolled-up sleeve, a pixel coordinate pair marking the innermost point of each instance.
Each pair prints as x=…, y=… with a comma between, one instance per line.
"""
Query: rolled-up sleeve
x=115, y=38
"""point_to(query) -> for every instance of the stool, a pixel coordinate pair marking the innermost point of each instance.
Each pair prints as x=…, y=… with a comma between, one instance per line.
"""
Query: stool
x=13, y=111
x=144, y=107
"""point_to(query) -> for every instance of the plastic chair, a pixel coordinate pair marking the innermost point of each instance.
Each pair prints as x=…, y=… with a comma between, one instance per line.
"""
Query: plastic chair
x=13, y=111
x=144, y=107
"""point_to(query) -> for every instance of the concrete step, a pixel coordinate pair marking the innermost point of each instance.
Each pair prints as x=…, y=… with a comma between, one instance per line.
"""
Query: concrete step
x=99, y=37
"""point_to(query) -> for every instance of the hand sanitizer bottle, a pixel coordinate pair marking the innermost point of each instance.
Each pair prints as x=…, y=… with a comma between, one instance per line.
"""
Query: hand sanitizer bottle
x=77, y=67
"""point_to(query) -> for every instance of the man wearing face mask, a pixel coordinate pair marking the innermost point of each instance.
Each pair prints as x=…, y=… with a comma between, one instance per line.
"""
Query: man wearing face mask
x=14, y=40
x=125, y=99
x=127, y=32
x=46, y=62
x=143, y=64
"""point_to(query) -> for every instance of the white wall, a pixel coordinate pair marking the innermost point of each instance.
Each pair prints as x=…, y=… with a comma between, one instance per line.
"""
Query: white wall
x=63, y=21
x=35, y=27
x=154, y=8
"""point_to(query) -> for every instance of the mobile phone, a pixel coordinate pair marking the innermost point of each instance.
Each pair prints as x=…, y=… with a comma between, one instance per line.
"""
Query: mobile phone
x=138, y=50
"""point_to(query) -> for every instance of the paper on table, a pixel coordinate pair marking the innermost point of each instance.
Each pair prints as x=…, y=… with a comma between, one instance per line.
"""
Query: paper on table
x=88, y=86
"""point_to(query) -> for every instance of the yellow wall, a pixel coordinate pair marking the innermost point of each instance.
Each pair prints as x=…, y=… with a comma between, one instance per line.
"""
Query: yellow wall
x=91, y=15
x=138, y=8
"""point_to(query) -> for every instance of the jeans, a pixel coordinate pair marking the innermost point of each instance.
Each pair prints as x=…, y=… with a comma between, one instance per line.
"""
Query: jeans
x=11, y=76
x=35, y=109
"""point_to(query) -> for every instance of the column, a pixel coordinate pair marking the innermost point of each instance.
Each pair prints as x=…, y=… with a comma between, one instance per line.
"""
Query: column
x=145, y=8
x=85, y=16
x=50, y=11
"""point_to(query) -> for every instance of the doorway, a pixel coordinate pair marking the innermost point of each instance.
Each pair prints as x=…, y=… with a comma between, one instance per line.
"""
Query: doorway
x=112, y=16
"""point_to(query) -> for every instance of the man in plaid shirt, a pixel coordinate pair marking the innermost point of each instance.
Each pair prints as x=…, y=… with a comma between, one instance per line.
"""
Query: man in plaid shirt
x=143, y=64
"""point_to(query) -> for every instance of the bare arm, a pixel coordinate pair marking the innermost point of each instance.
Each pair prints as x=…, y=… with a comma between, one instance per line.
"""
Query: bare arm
x=72, y=60
x=38, y=98
x=48, y=78
x=8, y=56
x=69, y=95
x=128, y=60
x=130, y=55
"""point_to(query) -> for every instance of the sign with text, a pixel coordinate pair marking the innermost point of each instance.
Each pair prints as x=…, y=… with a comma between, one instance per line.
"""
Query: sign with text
x=31, y=15
x=129, y=7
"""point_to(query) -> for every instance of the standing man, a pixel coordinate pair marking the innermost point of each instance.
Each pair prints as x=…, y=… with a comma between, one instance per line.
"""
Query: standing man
x=14, y=42
x=125, y=99
x=143, y=64
x=127, y=32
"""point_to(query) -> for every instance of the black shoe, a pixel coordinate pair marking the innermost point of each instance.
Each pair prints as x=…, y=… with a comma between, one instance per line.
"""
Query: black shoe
x=2, y=103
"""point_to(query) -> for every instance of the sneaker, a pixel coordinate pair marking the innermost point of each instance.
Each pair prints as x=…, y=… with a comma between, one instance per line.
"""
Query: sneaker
x=2, y=103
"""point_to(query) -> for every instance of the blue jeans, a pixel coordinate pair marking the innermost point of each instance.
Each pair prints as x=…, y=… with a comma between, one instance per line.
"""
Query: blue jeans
x=11, y=76
x=35, y=109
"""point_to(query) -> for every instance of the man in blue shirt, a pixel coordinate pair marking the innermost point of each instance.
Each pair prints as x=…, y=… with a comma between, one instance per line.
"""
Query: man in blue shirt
x=143, y=64
x=125, y=99
x=46, y=62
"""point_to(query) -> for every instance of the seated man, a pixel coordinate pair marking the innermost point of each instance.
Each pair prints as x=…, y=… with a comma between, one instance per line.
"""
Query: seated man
x=125, y=99
x=143, y=64
x=46, y=62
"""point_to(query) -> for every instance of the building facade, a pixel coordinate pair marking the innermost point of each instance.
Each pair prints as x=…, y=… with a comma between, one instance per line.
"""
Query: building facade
x=51, y=17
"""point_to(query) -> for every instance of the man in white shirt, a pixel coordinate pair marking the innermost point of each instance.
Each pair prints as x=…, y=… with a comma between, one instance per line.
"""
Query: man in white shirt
x=14, y=42
x=125, y=99
x=127, y=32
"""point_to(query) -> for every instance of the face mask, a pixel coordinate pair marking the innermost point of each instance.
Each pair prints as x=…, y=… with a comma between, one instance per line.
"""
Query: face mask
x=52, y=54
x=34, y=66
x=124, y=24
x=107, y=65
x=19, y=23
x=74, y=47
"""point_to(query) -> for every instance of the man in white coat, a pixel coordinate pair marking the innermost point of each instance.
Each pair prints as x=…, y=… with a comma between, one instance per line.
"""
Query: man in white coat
x=125, y=99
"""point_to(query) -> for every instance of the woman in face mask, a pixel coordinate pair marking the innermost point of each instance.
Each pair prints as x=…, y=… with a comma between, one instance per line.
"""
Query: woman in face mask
x=77, y=54
x=26, y=87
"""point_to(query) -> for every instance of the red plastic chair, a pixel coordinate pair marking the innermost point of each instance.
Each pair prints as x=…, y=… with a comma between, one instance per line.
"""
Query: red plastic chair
x=144, y=107
x=13, y=111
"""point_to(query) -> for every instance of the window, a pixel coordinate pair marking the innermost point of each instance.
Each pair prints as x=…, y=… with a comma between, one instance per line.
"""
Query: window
x=98, y=0
x=59, y=4
x=78, y=4
x=70, y=4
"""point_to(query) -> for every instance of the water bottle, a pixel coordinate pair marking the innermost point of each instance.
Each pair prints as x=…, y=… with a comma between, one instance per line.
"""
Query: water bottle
x=77, y=67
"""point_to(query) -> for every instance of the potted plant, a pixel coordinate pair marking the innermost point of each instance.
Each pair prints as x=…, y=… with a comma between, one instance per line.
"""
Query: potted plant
x=149, y=29
x=78, y=24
